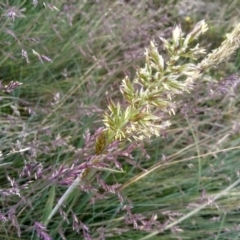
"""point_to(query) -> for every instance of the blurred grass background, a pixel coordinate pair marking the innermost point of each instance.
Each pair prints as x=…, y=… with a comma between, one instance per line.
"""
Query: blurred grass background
x=93, y=44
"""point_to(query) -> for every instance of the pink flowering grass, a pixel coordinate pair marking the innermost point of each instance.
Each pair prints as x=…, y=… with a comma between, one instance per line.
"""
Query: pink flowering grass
x=61, y=62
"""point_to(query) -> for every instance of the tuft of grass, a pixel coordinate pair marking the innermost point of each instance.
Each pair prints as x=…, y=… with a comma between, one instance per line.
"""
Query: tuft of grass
x=68, y=58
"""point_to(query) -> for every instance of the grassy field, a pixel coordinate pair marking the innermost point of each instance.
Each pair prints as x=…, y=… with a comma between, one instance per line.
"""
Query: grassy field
x=70, y=58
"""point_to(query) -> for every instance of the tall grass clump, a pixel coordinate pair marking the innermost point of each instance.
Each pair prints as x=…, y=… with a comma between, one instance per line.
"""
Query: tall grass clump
x=71, y=168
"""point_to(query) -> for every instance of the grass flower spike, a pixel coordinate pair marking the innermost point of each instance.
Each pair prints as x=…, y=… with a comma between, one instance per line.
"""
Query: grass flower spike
x=150, y=96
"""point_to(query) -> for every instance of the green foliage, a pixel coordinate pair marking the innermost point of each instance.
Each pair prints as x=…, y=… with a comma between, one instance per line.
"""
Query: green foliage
x=58, y=168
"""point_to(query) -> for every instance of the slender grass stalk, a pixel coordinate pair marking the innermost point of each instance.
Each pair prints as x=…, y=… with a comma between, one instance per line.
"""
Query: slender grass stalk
x=65, y=196
x=195, y=211
x=160, y=164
